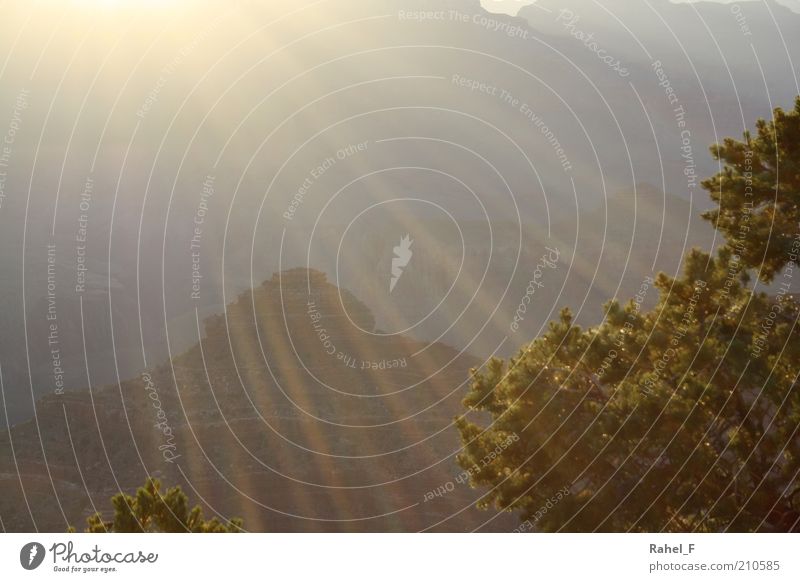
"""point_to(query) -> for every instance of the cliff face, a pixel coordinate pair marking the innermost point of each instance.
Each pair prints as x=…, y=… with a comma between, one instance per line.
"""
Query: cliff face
x=290, y=412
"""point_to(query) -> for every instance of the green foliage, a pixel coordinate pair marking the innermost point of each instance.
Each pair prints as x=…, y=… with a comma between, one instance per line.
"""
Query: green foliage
x=758, y=192
x=680, y=418
x=154, y=511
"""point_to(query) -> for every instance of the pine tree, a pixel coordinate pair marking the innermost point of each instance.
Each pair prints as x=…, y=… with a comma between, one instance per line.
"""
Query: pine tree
x=154, y=511
x=681, y=418
x=758, y=193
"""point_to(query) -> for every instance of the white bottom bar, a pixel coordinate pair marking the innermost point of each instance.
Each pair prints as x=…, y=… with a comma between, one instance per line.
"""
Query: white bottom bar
x=390, y=557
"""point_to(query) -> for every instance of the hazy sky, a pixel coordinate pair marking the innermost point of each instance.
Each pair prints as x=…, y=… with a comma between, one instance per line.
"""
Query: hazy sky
x=513, y=6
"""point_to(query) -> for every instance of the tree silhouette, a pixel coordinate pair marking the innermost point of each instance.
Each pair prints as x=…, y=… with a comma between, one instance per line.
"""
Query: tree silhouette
x=154, y=511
